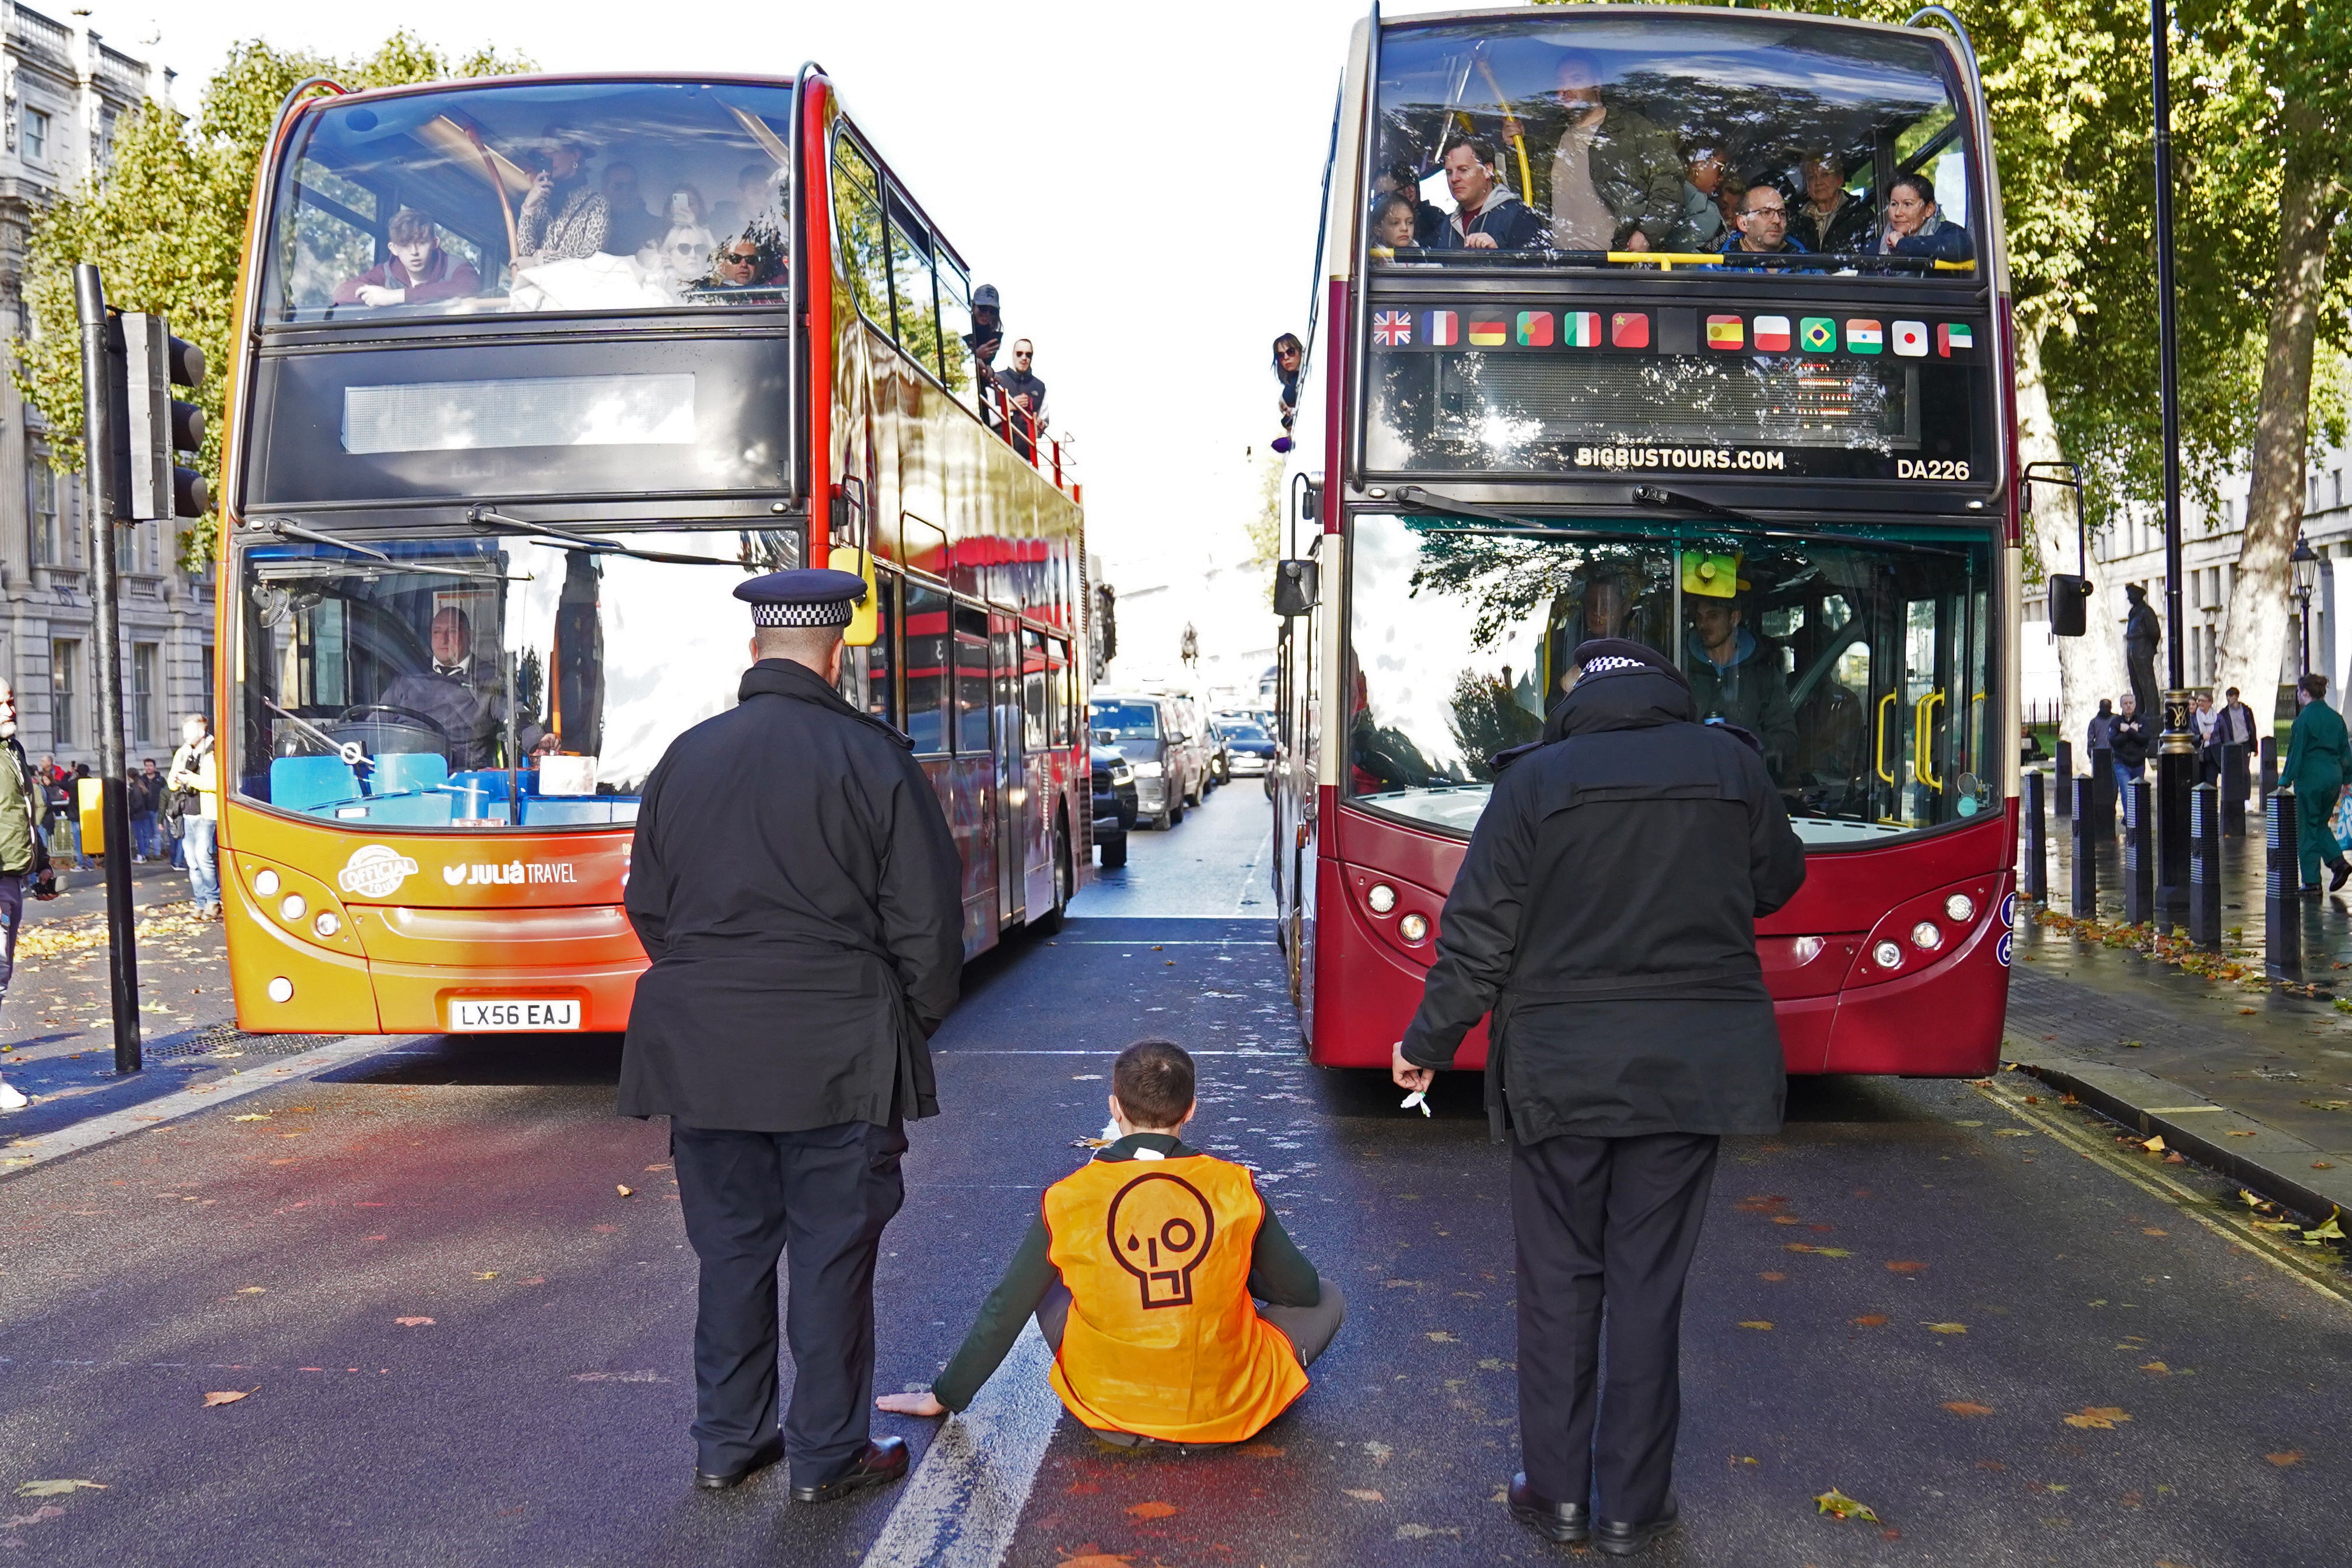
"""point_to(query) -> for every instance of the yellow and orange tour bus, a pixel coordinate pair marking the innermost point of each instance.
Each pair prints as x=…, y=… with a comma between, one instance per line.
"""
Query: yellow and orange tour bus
x=529, y=374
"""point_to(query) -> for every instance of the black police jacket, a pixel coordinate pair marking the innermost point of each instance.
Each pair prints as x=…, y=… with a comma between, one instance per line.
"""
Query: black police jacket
x=795, y=885
x=1606, y=912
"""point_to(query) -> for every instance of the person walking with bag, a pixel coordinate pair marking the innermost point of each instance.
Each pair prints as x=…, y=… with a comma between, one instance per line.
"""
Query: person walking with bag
x=1605, y=913
x=24, y=860
x=195, y=780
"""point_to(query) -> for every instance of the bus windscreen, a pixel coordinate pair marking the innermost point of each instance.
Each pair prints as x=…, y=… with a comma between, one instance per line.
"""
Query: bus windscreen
x=553, y=196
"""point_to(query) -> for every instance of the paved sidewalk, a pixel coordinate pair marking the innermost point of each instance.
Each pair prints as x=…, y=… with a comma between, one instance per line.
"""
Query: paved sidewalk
x=2240, y=1072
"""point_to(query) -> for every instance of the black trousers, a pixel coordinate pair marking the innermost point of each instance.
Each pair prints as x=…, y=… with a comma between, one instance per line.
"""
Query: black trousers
x=1605, y=1225
x=819, y=1199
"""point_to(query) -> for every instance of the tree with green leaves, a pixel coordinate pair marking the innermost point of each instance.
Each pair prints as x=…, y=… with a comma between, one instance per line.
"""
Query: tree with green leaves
x=165, y=221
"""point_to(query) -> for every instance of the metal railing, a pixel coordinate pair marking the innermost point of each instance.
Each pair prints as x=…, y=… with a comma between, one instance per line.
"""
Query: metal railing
x=1029, y=436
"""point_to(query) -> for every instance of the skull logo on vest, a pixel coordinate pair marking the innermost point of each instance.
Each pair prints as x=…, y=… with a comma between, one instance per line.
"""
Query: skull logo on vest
x=1159, y=1227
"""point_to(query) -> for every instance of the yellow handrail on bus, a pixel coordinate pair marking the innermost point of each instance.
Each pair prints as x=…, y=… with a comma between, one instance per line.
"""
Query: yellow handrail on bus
x=1668, y=260
x=1923, y=758
x=1878, y=751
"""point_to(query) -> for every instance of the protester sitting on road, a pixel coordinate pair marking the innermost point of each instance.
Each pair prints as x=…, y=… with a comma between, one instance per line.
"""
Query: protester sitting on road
x=196, y=773
x=1739, y=677
x=1763, y=228
x=1486, y=215
x=1831, y=218
x=563, y=216
x=1393, y=221
x=1398, y=179
x=1139, y=1268
x=1616, y=178
x=1916, y=225
x=629, y=227
x=2318, y=761
x=417, y=272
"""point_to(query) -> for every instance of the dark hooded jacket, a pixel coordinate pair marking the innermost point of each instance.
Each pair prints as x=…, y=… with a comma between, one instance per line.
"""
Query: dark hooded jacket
x=1606, y=914
x=796, y=887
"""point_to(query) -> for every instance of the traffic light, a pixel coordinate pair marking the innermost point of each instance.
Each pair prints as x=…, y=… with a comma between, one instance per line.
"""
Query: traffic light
x=156, y=426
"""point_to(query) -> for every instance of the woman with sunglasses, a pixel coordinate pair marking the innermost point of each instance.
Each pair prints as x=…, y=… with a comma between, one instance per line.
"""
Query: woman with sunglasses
x=1289, y=354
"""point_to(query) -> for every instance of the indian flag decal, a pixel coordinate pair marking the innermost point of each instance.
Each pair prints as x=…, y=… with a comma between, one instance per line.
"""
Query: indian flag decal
x=1864, y=337
x=1581, y=329
x=1726, y=332
x=1445, y=330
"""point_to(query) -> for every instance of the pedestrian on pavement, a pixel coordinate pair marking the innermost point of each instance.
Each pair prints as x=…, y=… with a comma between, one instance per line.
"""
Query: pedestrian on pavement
x=2098, y=732
x=1605, y=914
x=2318, y=757
x=195, y=779
x=1183, y=1357
x=2207, y=724
x=2127, y=740
x=807, y=938
x=74, y=809
x=2236, y=728
x=135, y=807
x=24, y=860
x=149, y=781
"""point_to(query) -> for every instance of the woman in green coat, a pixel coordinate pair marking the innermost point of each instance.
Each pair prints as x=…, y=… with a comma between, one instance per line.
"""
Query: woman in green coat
x=2318, y=758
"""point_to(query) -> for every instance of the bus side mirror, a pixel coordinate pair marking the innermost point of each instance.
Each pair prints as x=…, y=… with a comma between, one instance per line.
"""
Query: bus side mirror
x=2070, y=605
x=1294, y=587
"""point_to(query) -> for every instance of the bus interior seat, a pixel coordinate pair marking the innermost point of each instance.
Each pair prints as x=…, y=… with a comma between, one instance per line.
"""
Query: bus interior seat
x=306, y=783
x=423, y=810
x=404, y=772
x=543, y=812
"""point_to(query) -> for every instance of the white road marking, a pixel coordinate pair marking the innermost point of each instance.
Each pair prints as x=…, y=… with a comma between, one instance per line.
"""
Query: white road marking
x=23, y=1153
x=963, y=1501
x=1249, y=875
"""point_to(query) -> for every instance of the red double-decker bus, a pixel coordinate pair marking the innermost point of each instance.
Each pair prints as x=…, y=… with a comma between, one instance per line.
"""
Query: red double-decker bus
x=529, y=374
x=1569, y=376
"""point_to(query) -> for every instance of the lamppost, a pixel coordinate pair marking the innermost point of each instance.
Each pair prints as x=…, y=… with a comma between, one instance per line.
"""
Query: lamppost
x=2176, y=762
x=2306, y=578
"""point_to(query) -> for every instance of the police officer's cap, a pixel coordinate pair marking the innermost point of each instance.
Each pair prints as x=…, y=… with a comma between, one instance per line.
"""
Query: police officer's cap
x=803, y=597
x=1612, y=656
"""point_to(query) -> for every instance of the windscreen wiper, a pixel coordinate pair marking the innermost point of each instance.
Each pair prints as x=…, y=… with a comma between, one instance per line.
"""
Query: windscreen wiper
x=1413, y=495
x=351, y=752
x=490, y=520
x=284, y=530
x=1656, y=496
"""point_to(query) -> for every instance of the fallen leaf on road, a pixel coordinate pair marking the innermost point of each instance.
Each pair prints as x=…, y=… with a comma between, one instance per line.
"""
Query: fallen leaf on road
x=1151, y=1510
x=1379, y=1451
x=252, y=1116
x=1870, y=1320
x=1837, y=1505
x=1772, y=1275
x=1904, y=1266
x=2240, y=1132
x=413, y=1322
x=67, y=1488
x=2097, y=1418
x=2157, y=1369
x=1097, y=1559
x=1967, y=1407
x=492, y=1275
x=2331, y=1231
x=253, y=1289
x=1361, y=1495
x=1818, y=1251
x=2155, y=1145
x=624, y=1192
x=1756, y=1323
x=1262, y=1451
x=2153, y=1230
x=2291, y=1457
x=1947, y=1328
x=230, y=1397
x=1439, y=1336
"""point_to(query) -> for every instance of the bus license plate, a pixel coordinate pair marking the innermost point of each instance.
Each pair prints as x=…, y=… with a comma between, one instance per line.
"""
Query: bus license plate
x=512, y=1015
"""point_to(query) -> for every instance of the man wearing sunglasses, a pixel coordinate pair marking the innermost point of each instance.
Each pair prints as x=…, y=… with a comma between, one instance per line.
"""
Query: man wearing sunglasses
x=740, y=263
x=1025, y=395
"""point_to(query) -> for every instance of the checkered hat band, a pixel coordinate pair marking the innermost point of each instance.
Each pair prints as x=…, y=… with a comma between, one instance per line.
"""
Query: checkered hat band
x=1608, y=661
x=825, y=612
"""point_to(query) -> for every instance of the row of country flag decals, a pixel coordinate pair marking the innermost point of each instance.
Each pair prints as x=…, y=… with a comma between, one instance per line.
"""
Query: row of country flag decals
x=1632, y=330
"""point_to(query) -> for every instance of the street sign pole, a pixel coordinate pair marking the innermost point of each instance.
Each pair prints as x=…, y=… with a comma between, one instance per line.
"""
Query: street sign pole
x=100, y=466
x=2176, y=764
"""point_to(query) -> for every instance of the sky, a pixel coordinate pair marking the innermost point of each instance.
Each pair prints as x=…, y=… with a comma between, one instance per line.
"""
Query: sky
x=1140, y=183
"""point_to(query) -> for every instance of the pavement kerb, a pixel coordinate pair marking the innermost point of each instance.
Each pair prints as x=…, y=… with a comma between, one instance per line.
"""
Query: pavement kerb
x=2269, y=1163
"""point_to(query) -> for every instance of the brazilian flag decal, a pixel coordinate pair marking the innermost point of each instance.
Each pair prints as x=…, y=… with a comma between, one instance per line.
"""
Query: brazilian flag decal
x=1817, y=334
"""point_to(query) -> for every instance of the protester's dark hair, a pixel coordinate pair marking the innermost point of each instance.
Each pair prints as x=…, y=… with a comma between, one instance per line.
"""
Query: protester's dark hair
x=2233, y=692
x=2314, y=683
x=1481, y=148
x=1920, y=185
x=1402, y=173
x=1153, y=1080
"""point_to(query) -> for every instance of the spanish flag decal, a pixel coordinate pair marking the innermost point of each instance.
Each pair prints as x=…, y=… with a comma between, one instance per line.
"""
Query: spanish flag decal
x=1726, y=332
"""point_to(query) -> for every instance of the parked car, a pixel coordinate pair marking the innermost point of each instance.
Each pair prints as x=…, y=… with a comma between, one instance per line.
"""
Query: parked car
x=1115, y=805
x=1148, y=731
x=1200, y=740
x=1248, y=748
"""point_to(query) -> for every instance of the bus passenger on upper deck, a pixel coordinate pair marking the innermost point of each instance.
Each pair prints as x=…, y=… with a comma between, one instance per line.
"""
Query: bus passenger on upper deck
x=1397, y=179
x=686, y=244
x=1702, y=221
x=1486, y=215
x=564, y=217
x=629, y=227
x=1830, y=219
x=418, y=271
x=1916, y=225
x=1393, y=223
x=1763, y=228
x=744, y=263
x=758, y=203
x=1616, y=179
x=1739, y=677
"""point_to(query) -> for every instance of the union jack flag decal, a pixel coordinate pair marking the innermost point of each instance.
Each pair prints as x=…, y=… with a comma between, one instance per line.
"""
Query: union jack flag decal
x=1392, y=329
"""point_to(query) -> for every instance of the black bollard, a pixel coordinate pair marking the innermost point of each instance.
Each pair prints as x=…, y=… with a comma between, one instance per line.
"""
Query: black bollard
x=2282, y=881
x=2206, y=813
x=2139, y=853
x=2037, y=837
x=2234, y=791
x=2103, y=790
x=2085, y=822
x=2064, y=774
x=2270, y=766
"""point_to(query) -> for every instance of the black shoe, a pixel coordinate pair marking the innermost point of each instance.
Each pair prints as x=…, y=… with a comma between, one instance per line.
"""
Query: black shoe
x=768, y=1454
x=2341, y=873
x=2309, y=889
x=1565, y=1523
x=884, y=1461
x=1625, y=1540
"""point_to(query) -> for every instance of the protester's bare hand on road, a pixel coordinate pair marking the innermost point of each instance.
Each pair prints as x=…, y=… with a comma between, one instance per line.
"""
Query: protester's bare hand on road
x=923, y=1404
x=1407, y=1076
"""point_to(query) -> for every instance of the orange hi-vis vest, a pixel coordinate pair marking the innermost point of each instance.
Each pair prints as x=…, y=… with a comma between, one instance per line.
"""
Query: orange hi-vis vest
x=1163, y=1339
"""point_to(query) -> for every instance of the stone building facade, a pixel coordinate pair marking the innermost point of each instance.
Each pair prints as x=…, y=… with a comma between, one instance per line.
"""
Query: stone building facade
x=64, y=92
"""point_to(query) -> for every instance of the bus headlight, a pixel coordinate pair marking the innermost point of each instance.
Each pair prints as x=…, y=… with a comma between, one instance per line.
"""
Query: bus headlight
x=294, y=908
x=328, y=923
x=1383, y=897
x=264, y=882
x=1960, y=908
x=1926, y=937
x=281, y=990
x=1886, y=955
x=1805, y=949
x=1413, y=928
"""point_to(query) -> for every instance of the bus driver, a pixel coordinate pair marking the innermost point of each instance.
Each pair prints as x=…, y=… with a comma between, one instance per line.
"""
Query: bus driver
x=468, y=714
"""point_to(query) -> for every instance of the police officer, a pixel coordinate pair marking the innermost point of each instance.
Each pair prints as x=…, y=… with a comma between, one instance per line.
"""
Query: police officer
x=1605, y=913
x=796, y=887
